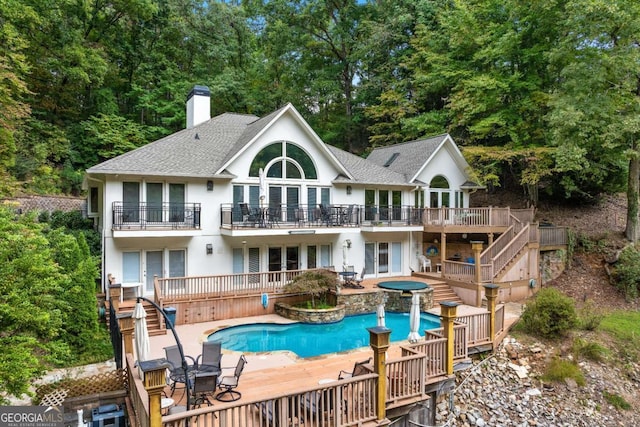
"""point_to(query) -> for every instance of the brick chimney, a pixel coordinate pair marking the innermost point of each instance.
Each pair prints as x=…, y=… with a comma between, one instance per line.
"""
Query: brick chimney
x=198, y=106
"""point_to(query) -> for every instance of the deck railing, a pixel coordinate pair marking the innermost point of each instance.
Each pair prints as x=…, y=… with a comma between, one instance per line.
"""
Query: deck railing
x=349, y=402
x=460, y=345
x=514, y=247
x=553, y=236
x=143, y=216
x=243, y=216
x=176, y=288
x=137, y=393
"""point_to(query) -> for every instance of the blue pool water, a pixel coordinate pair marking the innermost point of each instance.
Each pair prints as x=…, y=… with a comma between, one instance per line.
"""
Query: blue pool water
x=307, y=340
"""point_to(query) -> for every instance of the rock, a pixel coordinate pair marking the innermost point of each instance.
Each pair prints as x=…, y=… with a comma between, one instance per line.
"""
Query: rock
x=571, y=383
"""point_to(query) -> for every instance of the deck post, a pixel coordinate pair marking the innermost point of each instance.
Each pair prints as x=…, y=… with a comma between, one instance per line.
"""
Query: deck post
x=476, y=247
x=443, y=248
x=379, y=342
x=155, y=380
x=448, y=314
x=126, y=328
x=491, y=291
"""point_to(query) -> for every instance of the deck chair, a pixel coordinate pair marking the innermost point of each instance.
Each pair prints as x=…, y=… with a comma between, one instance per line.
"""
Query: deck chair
x=210, y=358
x=176, y=370
x=325, y=215
x=274, y=216
x=204, y=385
x=424, y=263
x=248, y=217
x=229, y=383
x=359, y=368
x=359, y=279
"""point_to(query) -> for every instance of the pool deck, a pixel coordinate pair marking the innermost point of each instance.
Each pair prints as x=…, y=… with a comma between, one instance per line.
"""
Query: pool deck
x=275, y=373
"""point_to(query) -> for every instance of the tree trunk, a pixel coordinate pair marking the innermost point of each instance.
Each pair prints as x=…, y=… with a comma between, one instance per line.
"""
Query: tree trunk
x=633, y=190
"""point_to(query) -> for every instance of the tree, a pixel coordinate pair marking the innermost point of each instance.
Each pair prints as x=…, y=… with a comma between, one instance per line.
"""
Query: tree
x=596, y=109
x=313, y=283
x=13, y=69
x=48, y=313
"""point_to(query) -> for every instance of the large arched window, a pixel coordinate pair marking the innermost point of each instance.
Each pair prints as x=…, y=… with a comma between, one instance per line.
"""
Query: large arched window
x=285, y=160
x=439, y=182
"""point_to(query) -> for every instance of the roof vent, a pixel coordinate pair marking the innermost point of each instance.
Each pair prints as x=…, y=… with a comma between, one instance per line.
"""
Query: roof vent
x=197, y=136
x=391, y=159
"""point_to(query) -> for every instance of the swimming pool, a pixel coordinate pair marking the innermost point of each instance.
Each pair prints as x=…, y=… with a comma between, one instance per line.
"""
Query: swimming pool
x=308, y=340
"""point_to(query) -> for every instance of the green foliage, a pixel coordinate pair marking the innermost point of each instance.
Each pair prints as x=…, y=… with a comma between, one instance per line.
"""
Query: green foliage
x=624, y=327
x=315, y=283
x=551, y=314
x=48, y=307
x=589, y=316
x=616, y=400
x=627, y=272
x=588, y=350
x=559, y=369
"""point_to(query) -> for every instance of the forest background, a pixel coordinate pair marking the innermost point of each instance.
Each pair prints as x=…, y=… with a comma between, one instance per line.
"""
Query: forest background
x=542, y=97
x=539, y=95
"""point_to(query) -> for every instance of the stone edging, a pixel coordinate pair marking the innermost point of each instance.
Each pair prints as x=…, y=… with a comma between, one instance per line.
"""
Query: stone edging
x=328, y=315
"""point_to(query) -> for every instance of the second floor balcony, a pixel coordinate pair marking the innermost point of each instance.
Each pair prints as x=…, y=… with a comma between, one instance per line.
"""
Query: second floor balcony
x=155, y=216
x=323, y=218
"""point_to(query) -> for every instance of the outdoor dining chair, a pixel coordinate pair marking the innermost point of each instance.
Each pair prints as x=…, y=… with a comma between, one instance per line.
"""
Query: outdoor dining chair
x=359, y=368
x=211, y=357
x=229, y=383
x=204, y=385
x=176, y=370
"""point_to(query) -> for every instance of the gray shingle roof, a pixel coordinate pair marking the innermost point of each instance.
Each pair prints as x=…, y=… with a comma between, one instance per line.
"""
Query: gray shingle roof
x=411, y=156
x=199, y=151
x=365, y=172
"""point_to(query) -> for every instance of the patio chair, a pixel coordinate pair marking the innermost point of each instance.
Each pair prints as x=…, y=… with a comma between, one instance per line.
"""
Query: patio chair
x=325, y=215
x=319, y=405
x=204, y=385
x=359, y=279
x=274, y=216
x=176, y=370
x=359, y=368
x=248, y=217
x=210, y=358
x=424, y=263
x=229, y=383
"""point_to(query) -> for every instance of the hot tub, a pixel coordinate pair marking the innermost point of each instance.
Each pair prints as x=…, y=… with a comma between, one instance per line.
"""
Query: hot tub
x=403, y=285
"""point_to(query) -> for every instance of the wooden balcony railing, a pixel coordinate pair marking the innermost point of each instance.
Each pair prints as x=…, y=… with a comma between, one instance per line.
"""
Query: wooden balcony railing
x=193, y=287
x=553, y=236
x=144, y=216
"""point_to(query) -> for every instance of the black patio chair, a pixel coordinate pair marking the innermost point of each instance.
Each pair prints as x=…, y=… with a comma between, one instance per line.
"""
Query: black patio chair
x=176, y=370
x=211, y=357
x=248, y=217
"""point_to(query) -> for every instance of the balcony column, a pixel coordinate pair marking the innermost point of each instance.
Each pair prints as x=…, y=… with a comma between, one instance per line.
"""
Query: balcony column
x=491, y=291
x=476, y=247
x=448, y=315
x=379, y=342
x=443, y=248
x=126, y=328
x=155, y=380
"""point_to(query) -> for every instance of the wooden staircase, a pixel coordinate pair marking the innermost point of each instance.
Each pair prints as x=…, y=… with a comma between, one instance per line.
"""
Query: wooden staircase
x=442, y=292
x=155, y=321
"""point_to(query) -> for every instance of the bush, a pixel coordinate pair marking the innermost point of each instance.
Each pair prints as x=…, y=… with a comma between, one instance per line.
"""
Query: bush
x=627, y=272
x=315, y=283
x=551, y=314
x=559, y=370
x=588, y=350
x=590, y=316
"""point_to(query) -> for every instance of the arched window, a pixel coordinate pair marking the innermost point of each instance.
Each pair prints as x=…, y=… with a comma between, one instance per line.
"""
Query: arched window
x=439, y=182
x=287, y=160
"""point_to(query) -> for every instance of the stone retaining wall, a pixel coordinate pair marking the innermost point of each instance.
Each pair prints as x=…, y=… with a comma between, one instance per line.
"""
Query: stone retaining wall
x=329, y=315
x=48, y=203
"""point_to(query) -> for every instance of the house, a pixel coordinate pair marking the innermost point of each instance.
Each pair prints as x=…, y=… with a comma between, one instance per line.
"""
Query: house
x=239, y=194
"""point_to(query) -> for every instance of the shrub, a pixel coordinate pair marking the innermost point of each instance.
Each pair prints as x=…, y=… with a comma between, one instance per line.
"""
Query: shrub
x=588, y=350
x=559, y=370
x=315, y=283
x=590, y=316
x=627, y=272
x=551, y=314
